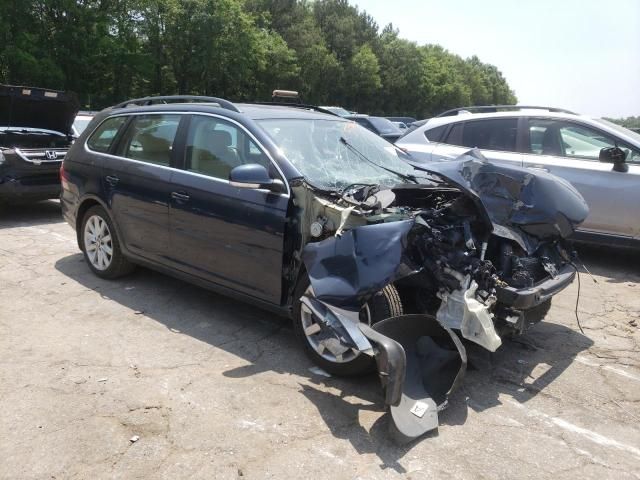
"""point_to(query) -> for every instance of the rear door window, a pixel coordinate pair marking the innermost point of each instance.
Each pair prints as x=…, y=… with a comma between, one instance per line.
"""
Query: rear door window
x=150, y=138
x=102, y=138
x=491, y=134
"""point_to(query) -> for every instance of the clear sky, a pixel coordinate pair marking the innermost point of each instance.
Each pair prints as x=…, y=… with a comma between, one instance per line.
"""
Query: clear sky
x=582, y=55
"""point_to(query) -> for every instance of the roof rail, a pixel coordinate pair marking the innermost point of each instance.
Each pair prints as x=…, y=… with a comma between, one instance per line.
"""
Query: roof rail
x=296, y=105
x=495, y=108
x=178, y=99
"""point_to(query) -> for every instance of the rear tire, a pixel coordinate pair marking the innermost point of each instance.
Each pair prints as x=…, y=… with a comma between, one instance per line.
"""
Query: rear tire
x=101, y=246
x=384, y=304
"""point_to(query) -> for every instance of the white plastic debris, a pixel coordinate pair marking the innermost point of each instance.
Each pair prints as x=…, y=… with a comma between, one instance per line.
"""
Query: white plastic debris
x=134, y=439
x=461, y=310
x=319, y=371
x=103, y=379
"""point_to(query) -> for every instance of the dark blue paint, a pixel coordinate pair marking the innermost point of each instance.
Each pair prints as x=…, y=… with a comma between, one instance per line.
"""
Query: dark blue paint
x=190, y=225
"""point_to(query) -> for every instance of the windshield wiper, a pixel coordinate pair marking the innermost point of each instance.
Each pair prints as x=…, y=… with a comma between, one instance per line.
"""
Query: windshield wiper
x=410, y=178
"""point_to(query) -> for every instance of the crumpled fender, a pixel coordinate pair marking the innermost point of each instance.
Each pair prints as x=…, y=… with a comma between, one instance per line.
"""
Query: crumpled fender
x=345, y=271
x=523, y=205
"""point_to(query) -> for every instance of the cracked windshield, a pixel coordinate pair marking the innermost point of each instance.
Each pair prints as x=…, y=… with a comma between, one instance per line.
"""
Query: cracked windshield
x=335, y=154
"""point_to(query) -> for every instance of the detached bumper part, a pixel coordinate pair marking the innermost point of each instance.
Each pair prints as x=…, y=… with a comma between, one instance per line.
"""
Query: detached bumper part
x=526, y=298
x=342, y=323
x=420, y=364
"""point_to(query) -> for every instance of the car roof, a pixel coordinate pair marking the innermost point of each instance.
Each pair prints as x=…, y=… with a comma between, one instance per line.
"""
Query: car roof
x=436, y=121
x=252, y=110
x=262, y=112
x=540, y=113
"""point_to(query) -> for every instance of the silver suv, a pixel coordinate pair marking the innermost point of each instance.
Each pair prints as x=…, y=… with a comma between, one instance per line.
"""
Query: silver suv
x=601, y=159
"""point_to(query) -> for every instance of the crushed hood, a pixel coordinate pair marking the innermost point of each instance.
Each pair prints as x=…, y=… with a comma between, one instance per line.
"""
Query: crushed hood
x=524, y=205
x=29, y=107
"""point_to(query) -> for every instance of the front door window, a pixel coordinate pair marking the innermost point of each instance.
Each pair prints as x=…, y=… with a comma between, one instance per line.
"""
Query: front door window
x=215, y=147
x=568, y=139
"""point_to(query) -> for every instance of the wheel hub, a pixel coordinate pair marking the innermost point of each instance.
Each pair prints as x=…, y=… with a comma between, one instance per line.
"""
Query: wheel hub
x=98, y=242
x=320, y=340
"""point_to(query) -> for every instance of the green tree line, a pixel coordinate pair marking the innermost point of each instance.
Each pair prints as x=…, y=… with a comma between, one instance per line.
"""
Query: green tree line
x=332, y=52
x=628, y=122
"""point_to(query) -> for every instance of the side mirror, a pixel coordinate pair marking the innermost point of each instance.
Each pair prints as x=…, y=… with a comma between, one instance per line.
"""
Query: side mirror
x=615, y=155
x=254, y=176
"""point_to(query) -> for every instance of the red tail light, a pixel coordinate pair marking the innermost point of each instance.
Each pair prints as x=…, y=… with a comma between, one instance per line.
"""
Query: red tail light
x=63, y=175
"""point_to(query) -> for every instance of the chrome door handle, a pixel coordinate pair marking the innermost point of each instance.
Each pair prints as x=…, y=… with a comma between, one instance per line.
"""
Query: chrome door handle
x=112, y=180
x=180, y=197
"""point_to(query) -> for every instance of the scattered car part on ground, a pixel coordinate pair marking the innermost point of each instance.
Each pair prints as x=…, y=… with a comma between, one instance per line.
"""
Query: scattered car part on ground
x=577, y=148
x=313, y=216
x=35, y=134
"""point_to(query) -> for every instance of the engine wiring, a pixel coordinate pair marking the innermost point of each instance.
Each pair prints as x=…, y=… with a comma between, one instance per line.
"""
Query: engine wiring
x=578, y=295
x=578, y=299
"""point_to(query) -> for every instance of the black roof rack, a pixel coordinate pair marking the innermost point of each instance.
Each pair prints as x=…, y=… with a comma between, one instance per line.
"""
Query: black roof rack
x=495, y=108
x=178, y=99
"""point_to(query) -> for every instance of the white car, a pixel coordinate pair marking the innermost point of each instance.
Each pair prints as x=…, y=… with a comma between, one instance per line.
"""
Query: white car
x=601, y=159
x=81, y=121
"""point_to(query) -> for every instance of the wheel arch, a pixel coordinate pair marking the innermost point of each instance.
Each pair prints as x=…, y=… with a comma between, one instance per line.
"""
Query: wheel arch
x=85, y=204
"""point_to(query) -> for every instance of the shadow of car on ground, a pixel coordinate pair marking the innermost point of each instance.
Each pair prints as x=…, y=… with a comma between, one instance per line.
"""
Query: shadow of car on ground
x=30, y=214
x=243, y=330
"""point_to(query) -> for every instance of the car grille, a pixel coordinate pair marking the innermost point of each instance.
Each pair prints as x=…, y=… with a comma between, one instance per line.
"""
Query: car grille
x=41, y=155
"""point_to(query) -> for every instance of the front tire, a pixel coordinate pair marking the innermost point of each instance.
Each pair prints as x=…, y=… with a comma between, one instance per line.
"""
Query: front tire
x=101, y=246
x=384, y=304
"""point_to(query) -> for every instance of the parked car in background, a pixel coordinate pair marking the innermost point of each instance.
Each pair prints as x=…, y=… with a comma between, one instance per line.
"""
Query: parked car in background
x=601, y=159
x=81, y=121
x=378, y=125
x=315, y=217
x=337, y=111
x=400, y=125
x=35, y=134
x=406, y=120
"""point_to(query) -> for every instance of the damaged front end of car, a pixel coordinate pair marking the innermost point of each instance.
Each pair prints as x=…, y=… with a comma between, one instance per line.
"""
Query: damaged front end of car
x=475, y=251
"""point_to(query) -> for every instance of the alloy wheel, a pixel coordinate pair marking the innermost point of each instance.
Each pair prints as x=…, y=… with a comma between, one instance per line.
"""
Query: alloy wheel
x=98, y=243
x=317, y=338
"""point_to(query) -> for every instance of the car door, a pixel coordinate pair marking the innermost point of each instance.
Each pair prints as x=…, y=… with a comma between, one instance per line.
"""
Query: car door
x=571, y=150
x=224, y=234
x=137, y=183
x=495, y=137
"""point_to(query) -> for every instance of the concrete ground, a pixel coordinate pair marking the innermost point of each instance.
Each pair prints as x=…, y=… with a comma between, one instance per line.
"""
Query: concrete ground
x=217, y=389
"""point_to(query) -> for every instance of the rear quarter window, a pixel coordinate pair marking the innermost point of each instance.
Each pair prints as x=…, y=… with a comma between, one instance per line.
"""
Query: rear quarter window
x=102, y=137
x=435, y=134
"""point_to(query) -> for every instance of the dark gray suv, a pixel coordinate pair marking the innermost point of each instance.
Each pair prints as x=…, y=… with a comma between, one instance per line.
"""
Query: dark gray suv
x=35, y=134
